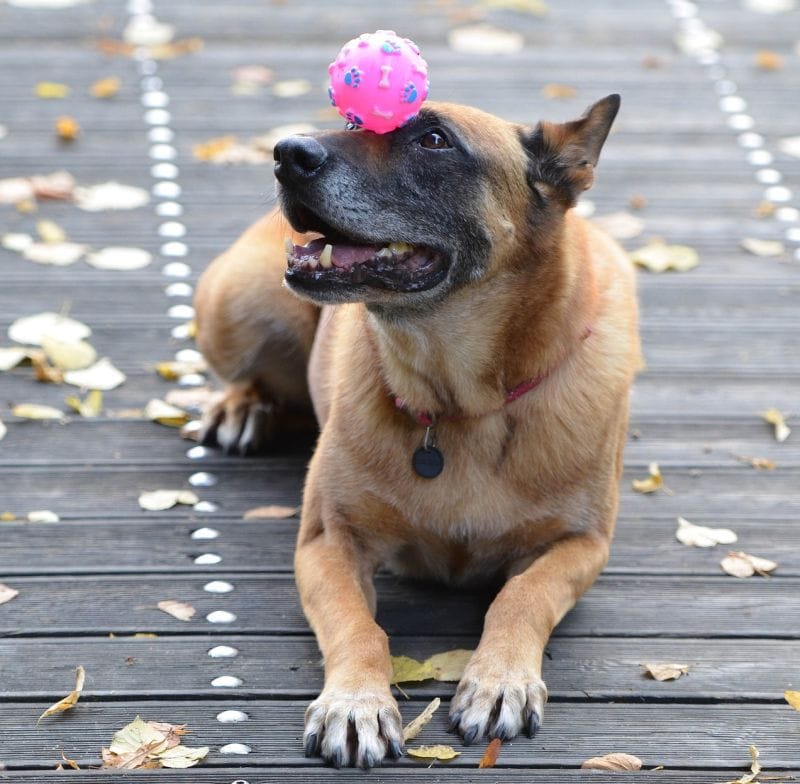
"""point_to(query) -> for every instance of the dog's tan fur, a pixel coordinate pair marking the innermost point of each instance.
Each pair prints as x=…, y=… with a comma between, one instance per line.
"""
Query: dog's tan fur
x=529, y=490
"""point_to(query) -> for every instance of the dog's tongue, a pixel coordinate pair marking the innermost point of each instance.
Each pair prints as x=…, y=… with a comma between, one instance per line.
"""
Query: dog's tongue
x=342, y=256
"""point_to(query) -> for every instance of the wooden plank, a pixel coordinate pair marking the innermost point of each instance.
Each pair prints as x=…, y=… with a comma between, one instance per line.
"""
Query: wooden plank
x=631, y=606
x=571, y=733
x=577, y=668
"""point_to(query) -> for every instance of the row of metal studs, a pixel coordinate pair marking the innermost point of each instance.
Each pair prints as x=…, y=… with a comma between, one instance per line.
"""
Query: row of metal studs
x=167, y=191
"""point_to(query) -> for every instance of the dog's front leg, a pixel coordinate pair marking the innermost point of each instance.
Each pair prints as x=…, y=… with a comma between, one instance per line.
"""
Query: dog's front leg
x=501, y=692
x=355, y=719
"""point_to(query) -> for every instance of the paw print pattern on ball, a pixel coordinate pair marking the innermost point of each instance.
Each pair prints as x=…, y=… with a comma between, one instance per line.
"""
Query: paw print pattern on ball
x=378, y=81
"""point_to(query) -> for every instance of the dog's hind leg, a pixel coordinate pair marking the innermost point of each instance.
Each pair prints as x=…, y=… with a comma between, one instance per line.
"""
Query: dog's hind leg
x=256, y=336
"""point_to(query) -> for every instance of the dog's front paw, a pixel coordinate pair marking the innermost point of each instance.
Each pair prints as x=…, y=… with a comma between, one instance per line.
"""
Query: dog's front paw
x=238, y=420
x=498, y=701
x=354, y=727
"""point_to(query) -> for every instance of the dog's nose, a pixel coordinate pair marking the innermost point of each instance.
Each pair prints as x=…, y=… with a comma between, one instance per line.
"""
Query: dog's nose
x=298, y=157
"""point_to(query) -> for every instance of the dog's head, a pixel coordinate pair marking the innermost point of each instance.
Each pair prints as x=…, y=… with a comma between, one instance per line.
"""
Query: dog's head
x=409, y=216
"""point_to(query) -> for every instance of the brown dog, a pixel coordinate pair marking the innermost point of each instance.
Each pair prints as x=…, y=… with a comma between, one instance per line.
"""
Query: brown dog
x=469, y=371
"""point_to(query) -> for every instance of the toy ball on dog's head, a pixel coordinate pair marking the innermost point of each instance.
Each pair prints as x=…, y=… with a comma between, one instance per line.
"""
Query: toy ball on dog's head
x=378, y=81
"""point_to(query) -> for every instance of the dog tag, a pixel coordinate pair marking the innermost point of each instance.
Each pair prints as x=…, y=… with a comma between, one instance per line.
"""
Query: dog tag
x=428, y=462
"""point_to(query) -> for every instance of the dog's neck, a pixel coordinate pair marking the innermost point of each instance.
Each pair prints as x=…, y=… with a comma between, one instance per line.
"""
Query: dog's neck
x=463, y=357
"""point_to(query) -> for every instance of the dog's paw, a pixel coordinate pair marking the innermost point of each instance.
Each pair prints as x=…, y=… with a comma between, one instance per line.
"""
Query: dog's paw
x=497, y=701
x=354, y=728
x=238, y=420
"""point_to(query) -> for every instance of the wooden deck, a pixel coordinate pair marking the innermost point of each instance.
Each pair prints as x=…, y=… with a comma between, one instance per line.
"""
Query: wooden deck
x=722, y=344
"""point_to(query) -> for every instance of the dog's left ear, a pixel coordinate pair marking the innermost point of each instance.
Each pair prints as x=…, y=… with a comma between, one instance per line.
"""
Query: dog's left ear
x=563, y=156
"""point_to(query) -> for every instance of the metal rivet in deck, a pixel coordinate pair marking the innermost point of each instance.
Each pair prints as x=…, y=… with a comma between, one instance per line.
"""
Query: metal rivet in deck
x=203, y=479
x=218, y=586
x=176, y=269
x=227, y=682
x=768, y=176
x=759, y=157
x=169, y=209
x=198, y=452
x=166, y=190
x=708, y=57
x=157, y=117
x=732, y=103
x=787, y=214
x=205, y=506
x=175, y=249
x=750, y=140
x=164, y=171
x=240, y=781
x=726, y=87
x=741, y=122
x=181, y=312
x=155, y=99
x=205, y=533
x=171, y=229
x=223, y=652
x=150, y=83
x=182, y=332
x=778, y=193
x=160, y=135
x=163, y=152
x=148, y=67
x=192, y=380
x=179, y=290
x=235, y=748
x=193, y=427
x=793, y=234
x=188, y=355
x=208, y=559
x=221, y=616
x=232, y=716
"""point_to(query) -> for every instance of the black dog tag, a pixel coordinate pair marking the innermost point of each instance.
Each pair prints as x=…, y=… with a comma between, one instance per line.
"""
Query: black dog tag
x=428, y=462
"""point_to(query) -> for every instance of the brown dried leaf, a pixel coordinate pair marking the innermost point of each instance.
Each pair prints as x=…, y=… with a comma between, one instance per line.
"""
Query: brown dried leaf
x=764, y=209
x=775, y=418
x=71, y=762
x=67, y=128
x=665, y=672
x=617, y=761
x=415, y=726
x=740, y=564
x=653, y=482
x=755, y=768
x=59, y=185
x=489, y=758
x=556, y=91
x=71, y=700
x=272, y=512
x=43, y=371
x=793, y=698
x=105, y=88
x=438, y=752
x=763, y=463
x=183, y=611
x=150, y=744
x=767, y=60
x=7, y=593
x=212, y=149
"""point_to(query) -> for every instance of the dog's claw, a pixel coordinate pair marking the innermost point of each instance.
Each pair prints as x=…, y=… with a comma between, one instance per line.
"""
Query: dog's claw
x=455, y=720
x=337, y=758
x=368, y=761
x=312, y=745
x=533, y=724
x=395, y=749
x=470, y=735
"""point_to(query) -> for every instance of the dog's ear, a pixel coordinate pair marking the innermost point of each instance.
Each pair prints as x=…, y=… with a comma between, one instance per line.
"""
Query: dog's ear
x=563, y=156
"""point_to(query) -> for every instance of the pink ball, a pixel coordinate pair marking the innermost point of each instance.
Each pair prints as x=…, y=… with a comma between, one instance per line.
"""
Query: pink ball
x=378, y=81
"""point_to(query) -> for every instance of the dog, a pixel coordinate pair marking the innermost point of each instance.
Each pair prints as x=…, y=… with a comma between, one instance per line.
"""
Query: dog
x=467, y=343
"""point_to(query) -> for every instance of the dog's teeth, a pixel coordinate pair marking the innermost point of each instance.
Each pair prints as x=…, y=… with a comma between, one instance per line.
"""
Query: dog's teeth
x=325, y=257
x=384, y=253
x=400, y=247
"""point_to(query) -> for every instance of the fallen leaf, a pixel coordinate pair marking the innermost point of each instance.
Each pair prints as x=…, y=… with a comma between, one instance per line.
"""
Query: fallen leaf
x=11, y=357
x=266, y=142
x=637, y=202
x=759, y=247
x=739, y=564
x=68, y=355
x=59, y=254
x=777, y=419
x=212, y=149
x=763, y=463
x=71, y=700
x=43, y=371
x=249, y=79
x=119, y=258
x=620, y=225
x=534, y=7
x=102, y=375
x=15, y=189
x=159, y=411
x=557, y=91
x=50, y=232
x=616, y=761
x=71, y=762
x=7, y=593
x=175, y=49
x=489, y=758
x=107, y=87
x=291, y=88
x=59, y=185
x=183, y=611
x=438, y=752
x=484, y=39
x=43, y=516
x=90, y=407
x=159, y=500
x=150, y=744
x=450, y=665
x=702, y=536
x=146, y=30
x=31, y=330
x=665, y=672
x=67, y=128
x=653, y=482
x=408, y=670
x=792, y=697
x=271, y=512
x=110, y=196
x=16, y=241
x=652, y=62
x=49, y=90
x=755, y=768
x=415, y=726
x=657, y=256
x=7, y=517
x=767, y=60
x=790, y=145
x=194, y=398
x=182, y=756
x=36, y=411
x=764, y=209
x=172, y=370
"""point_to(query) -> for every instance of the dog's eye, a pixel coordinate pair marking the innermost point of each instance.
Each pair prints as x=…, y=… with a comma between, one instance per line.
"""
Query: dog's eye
x=434, y=140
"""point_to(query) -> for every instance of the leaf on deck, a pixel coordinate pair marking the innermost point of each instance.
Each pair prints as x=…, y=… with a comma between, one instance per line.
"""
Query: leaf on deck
x=71, y=700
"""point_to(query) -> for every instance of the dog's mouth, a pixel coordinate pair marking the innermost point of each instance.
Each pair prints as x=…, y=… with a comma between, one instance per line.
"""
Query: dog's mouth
x=393, y=266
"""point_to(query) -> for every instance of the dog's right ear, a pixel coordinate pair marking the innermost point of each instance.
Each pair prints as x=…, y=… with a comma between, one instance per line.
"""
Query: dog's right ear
x=563, y=155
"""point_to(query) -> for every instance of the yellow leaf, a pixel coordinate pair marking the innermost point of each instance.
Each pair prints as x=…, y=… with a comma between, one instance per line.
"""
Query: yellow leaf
x=106, y=88
x=665, y=672
x=212, y=149
x=71, y=700
x=272, y=512
x=408, y=670
x=558, y=91
x=433, y=752
x=657, y=256
x=182, y=756
x=159, y=411
x=68, y=355
x=450, y=665
x=702, y=536
x=793, y=698
x=7, y=593
x=101, y=375
x=183, y=611
x=150, y=744
x=778, y=420
x=67, y=128
x=174, y=369
x=50, y=232
x=91, y=406
x=415, y=726
x=51, y=90
x=652, y=483
x=616, y=761
x=36, y=411
x=755, y=768
x=535, y=7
